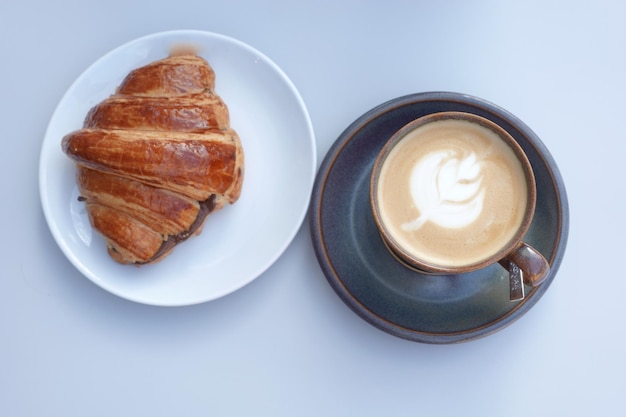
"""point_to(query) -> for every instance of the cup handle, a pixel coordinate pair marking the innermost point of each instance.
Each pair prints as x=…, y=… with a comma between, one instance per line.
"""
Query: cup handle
x=533, y=266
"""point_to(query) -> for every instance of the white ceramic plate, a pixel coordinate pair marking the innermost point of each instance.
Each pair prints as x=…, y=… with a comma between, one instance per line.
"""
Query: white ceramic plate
x=239, y=242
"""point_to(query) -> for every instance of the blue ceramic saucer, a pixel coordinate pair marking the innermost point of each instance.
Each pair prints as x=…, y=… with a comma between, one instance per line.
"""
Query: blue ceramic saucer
x=391, y=297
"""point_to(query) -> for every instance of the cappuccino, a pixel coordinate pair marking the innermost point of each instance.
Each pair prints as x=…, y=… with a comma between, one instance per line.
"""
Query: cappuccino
x=451, y=192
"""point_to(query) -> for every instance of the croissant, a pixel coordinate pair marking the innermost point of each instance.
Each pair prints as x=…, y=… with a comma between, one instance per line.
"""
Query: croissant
x=156, y=158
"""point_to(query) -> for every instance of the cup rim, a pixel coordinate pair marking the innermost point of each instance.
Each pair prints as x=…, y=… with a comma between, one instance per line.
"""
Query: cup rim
x=414, y=262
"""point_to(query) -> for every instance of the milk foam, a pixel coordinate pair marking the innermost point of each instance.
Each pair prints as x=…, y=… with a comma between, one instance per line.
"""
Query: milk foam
x=452, y=192
x=446, y=188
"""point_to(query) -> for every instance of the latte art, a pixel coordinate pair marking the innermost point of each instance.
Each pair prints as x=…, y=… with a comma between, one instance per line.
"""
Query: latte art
x=446, y=189
x=451, y=192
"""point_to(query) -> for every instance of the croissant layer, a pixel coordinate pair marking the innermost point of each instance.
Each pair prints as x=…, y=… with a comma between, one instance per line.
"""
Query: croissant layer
x=175, y=75
x=165, y=212
x=195, y=113
x=195, y=165
x=156, y=158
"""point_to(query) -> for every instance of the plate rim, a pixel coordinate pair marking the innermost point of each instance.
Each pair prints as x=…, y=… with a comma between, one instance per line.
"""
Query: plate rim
x=364, y=311
x=201, y=38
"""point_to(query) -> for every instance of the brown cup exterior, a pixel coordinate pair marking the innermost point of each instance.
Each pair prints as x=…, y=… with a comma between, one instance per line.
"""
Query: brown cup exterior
x=534, y=266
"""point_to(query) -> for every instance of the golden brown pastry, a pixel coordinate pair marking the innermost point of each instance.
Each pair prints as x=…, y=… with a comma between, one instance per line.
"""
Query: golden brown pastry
x=156, y=158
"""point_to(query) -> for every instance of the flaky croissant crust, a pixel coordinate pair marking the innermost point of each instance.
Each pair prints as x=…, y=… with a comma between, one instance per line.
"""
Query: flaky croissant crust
x=154, y=159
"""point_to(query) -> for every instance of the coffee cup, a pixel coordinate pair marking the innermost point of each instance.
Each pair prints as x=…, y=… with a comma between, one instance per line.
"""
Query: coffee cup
x=453, y=193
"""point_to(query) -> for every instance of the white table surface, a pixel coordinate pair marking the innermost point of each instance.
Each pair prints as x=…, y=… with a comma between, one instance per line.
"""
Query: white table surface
x=286, y=345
